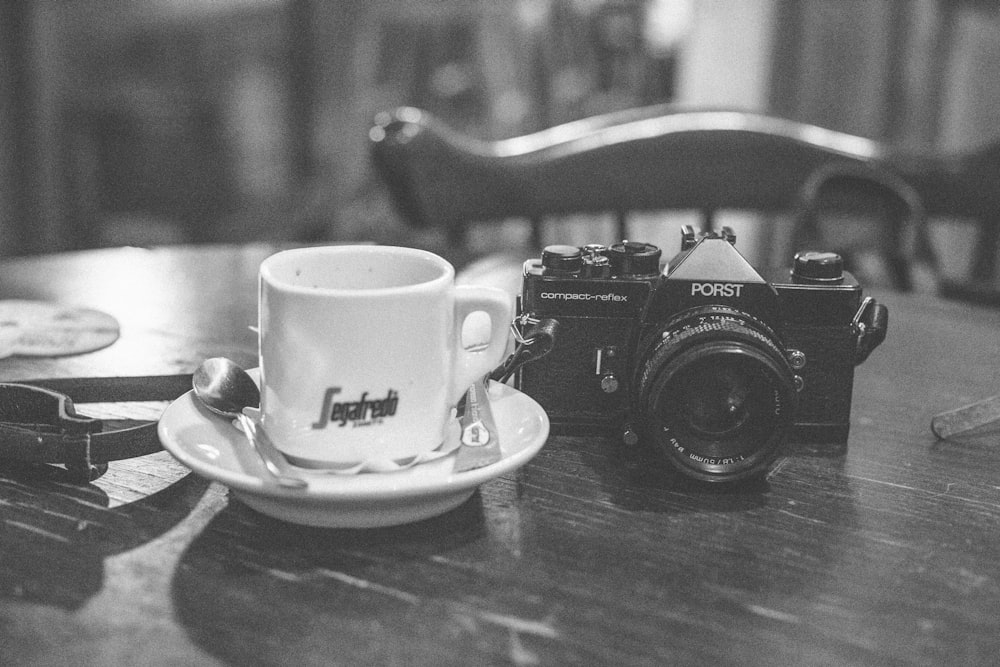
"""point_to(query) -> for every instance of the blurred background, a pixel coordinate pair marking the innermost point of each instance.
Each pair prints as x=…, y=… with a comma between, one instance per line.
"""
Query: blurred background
x=175, y=121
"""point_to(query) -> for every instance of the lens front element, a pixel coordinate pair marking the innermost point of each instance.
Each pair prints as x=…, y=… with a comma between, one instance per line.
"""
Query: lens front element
x=718, y=392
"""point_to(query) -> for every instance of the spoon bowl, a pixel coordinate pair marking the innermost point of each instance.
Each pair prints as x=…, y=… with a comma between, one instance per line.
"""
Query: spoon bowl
x=225, y=389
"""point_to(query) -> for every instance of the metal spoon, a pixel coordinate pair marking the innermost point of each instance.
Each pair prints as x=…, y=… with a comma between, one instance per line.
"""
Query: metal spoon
x=225, y=389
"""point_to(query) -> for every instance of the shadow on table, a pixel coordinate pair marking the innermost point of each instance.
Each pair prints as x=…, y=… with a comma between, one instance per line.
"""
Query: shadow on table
x=515, y=574
x=638, y=479
x=635, y=479
x=251, y=589
x=57, y=535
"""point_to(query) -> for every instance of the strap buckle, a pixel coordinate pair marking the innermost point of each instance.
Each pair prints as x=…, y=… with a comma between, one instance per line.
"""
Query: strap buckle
x=31, y=418
x=533, y=339
x=870, y=325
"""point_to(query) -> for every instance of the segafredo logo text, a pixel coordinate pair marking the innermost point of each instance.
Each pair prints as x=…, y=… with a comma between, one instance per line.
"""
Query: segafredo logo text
x=363, y=412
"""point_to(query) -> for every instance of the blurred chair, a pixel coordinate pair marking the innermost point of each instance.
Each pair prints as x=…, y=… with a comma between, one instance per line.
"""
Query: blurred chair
x=657, y=158
x=963, y=188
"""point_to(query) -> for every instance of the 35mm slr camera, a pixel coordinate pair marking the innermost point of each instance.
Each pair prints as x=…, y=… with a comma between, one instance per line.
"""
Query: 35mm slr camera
x=709, y=361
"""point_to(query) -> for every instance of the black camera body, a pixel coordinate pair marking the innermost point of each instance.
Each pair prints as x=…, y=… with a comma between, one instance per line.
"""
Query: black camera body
x=710, y=361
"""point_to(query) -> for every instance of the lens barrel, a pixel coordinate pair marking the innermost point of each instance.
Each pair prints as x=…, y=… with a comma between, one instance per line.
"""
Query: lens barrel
x=718, y=394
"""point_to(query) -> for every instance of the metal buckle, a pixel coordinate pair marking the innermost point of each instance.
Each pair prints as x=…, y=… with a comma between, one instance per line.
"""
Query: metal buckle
x=34, y=419
x=519, y=324
x=857, y=324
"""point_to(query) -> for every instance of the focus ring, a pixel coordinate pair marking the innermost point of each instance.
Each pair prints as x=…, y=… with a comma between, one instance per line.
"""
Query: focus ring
x=714, y=320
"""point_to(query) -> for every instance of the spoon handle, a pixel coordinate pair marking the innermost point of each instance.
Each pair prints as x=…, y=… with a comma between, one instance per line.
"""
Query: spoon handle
x=269, y=454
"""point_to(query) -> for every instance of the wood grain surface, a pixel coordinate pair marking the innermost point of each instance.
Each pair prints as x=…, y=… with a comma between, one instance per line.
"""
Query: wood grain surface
x=590, y=554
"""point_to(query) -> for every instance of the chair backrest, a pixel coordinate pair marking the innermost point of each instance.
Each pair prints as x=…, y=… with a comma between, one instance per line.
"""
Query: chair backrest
x=653, y=158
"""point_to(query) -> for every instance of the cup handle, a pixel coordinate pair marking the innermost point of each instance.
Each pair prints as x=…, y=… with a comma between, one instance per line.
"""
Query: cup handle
x=472, y=364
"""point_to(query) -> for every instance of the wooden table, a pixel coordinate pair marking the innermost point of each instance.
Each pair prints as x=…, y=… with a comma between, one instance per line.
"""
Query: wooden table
x=890, y=554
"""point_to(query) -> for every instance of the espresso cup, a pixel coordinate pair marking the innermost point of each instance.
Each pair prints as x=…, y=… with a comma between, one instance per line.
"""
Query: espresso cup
x=362, y=352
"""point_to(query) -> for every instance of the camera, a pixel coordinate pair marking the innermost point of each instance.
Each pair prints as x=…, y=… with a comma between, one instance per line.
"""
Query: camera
x=707, y=360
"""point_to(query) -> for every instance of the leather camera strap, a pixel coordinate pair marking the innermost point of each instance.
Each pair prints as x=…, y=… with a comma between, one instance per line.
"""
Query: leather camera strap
x=39, y=422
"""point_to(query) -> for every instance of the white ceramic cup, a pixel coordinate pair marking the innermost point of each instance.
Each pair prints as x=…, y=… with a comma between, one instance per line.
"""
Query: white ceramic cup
x=361, y=350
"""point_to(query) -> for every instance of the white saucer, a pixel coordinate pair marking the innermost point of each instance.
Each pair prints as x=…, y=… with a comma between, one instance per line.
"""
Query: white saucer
x=216, y=450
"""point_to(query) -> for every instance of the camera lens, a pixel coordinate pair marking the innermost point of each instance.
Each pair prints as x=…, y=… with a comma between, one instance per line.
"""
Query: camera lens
x=718, y=394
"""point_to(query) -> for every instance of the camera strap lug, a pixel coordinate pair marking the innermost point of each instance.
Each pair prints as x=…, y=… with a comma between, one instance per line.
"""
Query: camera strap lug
x=870, y=325
x=533, y=339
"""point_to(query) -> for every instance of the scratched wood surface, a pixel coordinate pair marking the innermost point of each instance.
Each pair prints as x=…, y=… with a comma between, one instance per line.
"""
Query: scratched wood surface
x=587, y=555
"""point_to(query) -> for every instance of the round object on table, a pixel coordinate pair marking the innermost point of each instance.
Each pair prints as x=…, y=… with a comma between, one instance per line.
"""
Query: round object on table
x=44, y=329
